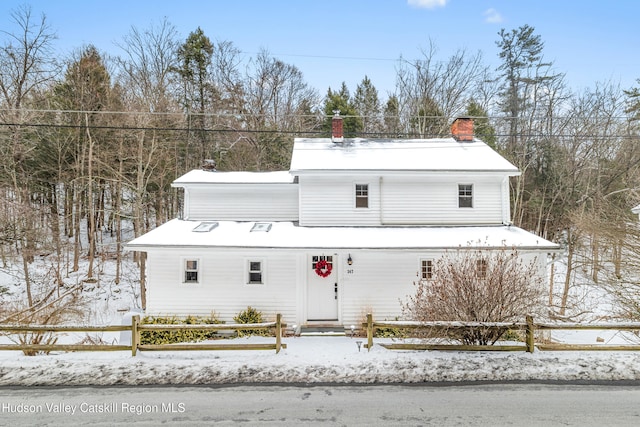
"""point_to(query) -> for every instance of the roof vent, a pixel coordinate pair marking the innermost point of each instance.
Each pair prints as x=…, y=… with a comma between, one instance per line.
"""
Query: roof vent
x=205, y=227
x=261, y=226
x=337, y=134
x=209, y=165
x=462, y=129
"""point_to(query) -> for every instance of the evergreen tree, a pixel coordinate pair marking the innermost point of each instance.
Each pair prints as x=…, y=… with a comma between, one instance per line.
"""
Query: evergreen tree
x=481, y=126
x=392, y=125
x=633, y=101
x=195, y=62
x=367, y=105
x=523, y=72
x=341, y=101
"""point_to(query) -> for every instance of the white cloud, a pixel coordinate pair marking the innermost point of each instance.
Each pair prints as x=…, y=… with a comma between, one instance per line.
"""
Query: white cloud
x=427, y=4
x=492, y=16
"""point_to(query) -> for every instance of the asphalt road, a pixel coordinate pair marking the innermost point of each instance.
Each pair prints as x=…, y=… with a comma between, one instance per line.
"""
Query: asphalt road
x=353, y=405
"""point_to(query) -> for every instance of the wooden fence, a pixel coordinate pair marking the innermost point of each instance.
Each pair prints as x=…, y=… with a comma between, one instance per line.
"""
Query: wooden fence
x=529, y=327
x=136, y=327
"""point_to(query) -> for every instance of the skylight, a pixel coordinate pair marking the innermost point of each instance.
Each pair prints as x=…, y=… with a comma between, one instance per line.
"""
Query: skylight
x=261, y=226
x=205, y=227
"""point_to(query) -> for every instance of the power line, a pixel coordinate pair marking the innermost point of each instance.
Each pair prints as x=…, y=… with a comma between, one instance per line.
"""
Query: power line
x=348, y=58
x=294, y=115
x=385, y=135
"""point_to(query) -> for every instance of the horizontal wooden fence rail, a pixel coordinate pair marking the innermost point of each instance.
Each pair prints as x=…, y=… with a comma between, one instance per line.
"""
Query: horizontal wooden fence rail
x=136, y=327
x=529, y=326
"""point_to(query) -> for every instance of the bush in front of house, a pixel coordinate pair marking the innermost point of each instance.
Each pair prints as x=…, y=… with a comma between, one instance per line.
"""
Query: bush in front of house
x=173, y=337
x=480, y=287
x=390, y=332
x=250, y=315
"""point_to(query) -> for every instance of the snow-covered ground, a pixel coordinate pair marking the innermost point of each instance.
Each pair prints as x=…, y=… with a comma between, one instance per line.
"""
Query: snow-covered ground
x=312, y=360
x=306, y=360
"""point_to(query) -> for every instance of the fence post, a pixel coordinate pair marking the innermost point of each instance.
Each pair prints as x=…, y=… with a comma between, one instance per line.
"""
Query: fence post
x=369, y=331
x=529, y=335
x=135, y=335
x=278, y=332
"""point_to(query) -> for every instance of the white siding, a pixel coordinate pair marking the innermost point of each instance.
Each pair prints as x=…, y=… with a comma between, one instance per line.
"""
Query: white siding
x=331, y=201
x=400, y=200
x=379, y=282
x=435, y=201
x=222, y=289
x=242, y=202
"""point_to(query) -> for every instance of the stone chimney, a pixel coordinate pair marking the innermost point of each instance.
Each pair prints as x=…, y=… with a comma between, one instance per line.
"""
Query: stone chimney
x=462, y=129
x=337, y=134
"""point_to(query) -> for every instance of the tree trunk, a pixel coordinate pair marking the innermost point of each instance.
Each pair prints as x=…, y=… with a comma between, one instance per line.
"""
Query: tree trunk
x=567, y=279
x=91, y=233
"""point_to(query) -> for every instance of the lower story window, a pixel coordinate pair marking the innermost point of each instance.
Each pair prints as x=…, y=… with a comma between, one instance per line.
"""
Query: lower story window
x=191, y=270
x=426, y=269
x=481, y=268
x=255, y=272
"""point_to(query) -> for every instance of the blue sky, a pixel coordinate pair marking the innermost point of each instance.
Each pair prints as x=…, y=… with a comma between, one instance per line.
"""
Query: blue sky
x=332, y=41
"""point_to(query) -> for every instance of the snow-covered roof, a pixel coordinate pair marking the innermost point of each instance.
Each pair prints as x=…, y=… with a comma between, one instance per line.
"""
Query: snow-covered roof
x=286, y=235
x=357, y=154
x=200, y=176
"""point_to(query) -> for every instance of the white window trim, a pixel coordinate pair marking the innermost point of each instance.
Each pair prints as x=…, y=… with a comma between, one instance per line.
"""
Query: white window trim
x=247, y=271
x=183, y=271
x=355, y=195
x=473, y=195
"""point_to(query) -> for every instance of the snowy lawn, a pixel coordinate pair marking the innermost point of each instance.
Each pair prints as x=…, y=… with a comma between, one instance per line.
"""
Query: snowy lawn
x=312, y=360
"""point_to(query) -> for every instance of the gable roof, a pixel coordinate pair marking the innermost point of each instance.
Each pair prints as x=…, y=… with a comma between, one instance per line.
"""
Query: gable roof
x=319, y=155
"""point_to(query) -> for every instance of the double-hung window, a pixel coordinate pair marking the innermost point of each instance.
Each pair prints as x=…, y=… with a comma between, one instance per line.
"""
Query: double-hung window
x=465, y=195
x=191, y=271
x=255, y=272
x=362, y=195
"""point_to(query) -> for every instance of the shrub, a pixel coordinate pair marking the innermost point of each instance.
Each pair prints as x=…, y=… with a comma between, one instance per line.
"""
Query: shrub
x=172, y=337
x=478, y=286
x=391, y=332
x=250, y=315
x=67, y=308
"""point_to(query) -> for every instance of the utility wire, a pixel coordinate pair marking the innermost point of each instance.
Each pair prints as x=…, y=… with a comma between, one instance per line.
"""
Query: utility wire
x=386, y=135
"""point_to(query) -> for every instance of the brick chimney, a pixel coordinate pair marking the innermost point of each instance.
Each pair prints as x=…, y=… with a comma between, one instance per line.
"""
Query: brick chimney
x=337, y=134
x=462, y=129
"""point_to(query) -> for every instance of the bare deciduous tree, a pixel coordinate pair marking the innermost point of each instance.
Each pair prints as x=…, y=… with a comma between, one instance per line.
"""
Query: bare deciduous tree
x=431, y=87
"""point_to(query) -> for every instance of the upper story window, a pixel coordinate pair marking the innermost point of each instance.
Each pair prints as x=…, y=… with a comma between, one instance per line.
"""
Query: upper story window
x=362, y=195
x=465, y=195
x=191, y=271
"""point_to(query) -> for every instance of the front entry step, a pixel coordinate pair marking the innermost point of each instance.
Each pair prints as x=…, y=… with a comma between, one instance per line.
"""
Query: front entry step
x=322, y=331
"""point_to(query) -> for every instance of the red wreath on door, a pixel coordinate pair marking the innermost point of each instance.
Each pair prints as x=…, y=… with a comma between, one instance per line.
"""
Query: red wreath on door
x=323, y=268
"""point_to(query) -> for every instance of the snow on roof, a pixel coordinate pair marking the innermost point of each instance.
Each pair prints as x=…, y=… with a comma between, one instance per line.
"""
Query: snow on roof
x=438, y=154
x=286, y=235
x=200, y=176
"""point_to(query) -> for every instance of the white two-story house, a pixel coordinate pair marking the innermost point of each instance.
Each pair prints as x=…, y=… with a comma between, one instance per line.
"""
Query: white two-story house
x=347, y=230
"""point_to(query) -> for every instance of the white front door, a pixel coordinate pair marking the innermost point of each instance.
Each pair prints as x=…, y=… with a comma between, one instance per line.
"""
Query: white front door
x=322, y=288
